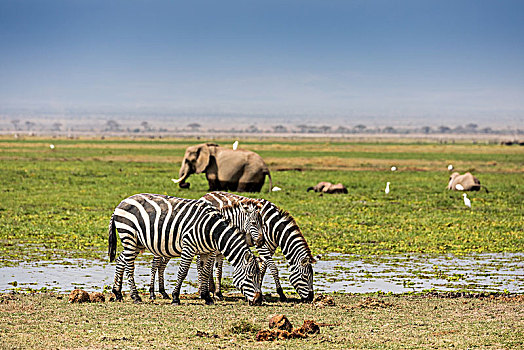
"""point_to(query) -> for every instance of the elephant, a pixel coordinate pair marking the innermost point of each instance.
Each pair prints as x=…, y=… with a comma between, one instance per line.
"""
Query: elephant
x=465, y=182
x=328, y=187
x=226, y=169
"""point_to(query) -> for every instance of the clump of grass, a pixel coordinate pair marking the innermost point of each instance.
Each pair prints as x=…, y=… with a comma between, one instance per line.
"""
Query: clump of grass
x=242, y=327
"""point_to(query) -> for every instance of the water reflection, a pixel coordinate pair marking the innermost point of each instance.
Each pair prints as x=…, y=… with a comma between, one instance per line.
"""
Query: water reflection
x=335, y=272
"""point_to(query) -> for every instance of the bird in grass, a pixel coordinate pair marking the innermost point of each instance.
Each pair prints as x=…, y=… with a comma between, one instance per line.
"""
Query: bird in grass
x=52, y=146
x=387, y=187
x=276, y=189
x=235, y=145
x=459, y=187
x=467, y=202
x=393, y=168
x=450, y=167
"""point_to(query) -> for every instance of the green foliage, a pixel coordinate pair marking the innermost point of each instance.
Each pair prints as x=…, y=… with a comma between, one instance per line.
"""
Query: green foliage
x=56, y=203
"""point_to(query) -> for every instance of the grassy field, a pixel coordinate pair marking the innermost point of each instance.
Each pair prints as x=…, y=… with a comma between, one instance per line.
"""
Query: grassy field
x=58, y=202
x=48, y=321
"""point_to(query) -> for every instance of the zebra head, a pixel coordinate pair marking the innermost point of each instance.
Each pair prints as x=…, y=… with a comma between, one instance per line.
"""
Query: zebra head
x=246, y=277
x=301, y=277
x=253, y=223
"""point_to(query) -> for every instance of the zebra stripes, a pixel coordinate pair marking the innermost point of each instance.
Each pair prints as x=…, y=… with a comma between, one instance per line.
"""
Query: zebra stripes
x=168, y=227
x=282, y=231
x=244, y=215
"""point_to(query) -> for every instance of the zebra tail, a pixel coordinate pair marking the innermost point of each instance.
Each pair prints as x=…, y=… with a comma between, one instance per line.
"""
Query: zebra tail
x=112, y=239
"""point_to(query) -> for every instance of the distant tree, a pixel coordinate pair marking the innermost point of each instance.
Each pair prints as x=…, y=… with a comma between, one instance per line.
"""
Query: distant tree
x=56, y=126
x=425, y=129
x=112, y=125
x=302, y=128
x=279, y=129
x=253, y=129
x=325, y=129
x=29, y=125
x=472, y=126
x=145, y=125
x=194, y=126
x=342, y=130
x=389, y=130
x=359, y=127
x=444, y=129
x=16, y=123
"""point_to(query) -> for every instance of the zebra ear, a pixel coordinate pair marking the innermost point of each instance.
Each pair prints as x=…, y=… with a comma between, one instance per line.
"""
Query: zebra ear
x=248, y=257
x=307, y=260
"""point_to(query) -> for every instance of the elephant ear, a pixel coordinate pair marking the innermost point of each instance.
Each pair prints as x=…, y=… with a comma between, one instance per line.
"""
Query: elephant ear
x=202, y=160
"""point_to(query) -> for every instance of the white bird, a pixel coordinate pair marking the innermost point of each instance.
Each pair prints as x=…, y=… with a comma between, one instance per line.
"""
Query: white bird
x=393, y=168
x=235, y=145
x=387, y=188
x=275, y=189
x=450, y=167
x=52, y=146
x=459, y=187
x=467, y=202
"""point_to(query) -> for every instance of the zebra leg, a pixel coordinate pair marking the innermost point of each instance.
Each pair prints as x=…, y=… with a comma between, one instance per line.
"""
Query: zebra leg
x=187, y=256
x=119, y=274
x=274, y=272
x=161, y=268
x=206, y=264
x=219, y=262
x=130, y=271
x=154, y=266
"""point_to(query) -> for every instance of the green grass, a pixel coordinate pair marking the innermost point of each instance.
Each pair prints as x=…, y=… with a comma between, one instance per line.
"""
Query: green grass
x=48, y=321
x=56, y=203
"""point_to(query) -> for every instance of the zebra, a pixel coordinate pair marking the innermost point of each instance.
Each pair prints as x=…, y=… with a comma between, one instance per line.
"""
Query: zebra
x=280, y=230
x=244, y=215
x=169, y=226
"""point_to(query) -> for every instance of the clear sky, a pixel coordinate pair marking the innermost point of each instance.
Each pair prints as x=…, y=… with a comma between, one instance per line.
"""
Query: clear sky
x=422, y=61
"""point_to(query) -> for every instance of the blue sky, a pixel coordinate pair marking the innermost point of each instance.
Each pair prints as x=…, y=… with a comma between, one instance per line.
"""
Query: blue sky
x=421, y=61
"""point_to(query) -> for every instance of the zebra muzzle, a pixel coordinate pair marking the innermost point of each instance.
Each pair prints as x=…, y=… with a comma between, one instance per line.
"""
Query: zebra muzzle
x=257, y=299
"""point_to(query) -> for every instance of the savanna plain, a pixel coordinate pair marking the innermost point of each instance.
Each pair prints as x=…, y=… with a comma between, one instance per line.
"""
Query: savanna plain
x=56, y=203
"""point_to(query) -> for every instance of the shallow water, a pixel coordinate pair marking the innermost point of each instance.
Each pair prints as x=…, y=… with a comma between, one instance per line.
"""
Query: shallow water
x=335, y=272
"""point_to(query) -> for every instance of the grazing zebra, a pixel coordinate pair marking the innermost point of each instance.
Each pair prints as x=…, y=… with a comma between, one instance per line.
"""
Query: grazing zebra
x=169, y=226
x=280, y=230
x=244, y=215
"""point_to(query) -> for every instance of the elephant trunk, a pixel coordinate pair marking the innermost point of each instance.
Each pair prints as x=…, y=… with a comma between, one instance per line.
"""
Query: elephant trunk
x=182, y=176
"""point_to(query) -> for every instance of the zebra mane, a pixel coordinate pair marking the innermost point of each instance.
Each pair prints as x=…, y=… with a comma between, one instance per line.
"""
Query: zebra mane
x=248, y=201
x=286, y=215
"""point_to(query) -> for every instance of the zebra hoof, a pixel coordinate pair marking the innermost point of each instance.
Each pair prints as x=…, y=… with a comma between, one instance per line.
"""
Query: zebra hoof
x=281, y=295
x=219, y=296
x=175, y=301
x=165, y=296
x=118, y=295
x=136, y=299
x=209, y=302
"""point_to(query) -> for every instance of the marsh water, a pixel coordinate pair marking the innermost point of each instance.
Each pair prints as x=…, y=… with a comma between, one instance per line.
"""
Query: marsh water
x=335, y=272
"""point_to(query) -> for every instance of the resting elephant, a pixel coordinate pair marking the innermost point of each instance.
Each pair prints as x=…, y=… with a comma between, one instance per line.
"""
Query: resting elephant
x=465, y=182
x=225, y=169
x=328, y=187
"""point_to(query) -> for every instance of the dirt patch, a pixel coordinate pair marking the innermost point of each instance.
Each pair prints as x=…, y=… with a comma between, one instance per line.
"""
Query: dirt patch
x=369, y=303
x=79, y=296
x=323, y=300
x=97, y=297
x=281, y=328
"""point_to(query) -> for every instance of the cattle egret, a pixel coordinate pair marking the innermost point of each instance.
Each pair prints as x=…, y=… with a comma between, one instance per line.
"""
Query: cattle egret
x=275, y=189
x=52, y=146
x=467, y=202
x=387, y=188
x=235, y=145
x=393, y=168
x=450, y=167
x=459, y=187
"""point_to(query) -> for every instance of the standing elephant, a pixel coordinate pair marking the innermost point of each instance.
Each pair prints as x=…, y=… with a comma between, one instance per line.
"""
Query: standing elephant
x=226, y=169
x=465, y=182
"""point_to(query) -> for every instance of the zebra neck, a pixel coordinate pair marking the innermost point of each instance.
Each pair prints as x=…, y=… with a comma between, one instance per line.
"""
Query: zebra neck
x=230, y=243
